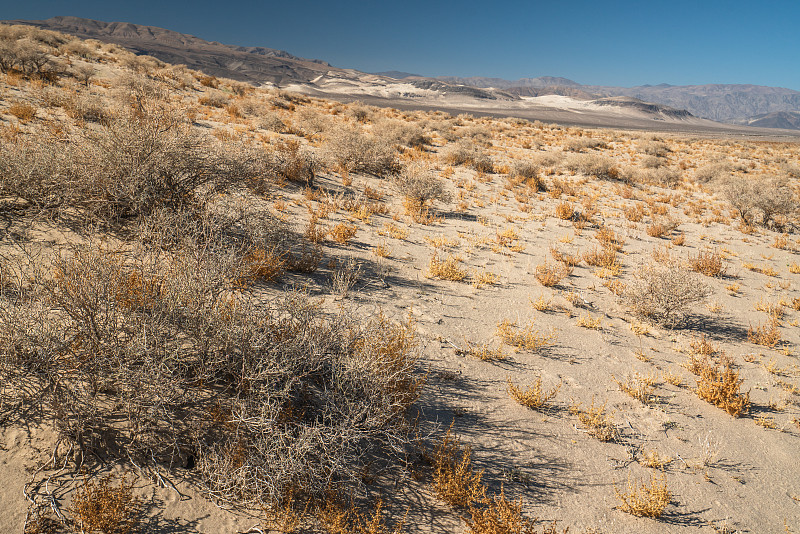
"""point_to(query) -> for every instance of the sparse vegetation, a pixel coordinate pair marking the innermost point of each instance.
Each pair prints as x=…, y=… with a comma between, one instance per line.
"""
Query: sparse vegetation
x=215, y=283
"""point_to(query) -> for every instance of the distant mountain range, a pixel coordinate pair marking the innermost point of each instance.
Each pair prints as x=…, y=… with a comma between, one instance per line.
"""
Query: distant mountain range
x=788, y=120
x=770, y=107
x=735, y=103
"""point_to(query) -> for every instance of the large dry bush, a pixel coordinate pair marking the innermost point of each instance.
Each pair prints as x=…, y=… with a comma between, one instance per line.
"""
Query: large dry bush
x=354, y=150
x=133, y=164
x=467, y=152
x=158, y=358
x=592, y=165
x=664, y=292
x=401, y=133
x=764, y=199
x=714, y=172
x=420, y=186
x=293, y=162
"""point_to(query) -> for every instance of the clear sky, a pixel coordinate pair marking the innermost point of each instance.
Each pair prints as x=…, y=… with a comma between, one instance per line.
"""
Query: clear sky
x=592, y=42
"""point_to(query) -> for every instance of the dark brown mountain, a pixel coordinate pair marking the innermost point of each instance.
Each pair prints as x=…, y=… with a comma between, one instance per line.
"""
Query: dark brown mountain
x=250, y=64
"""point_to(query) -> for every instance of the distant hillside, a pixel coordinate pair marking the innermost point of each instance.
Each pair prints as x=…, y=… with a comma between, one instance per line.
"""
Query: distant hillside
x=719, y=102
x=251, y=64
x=789, y=120
x=725, y=103
x=499, y=83
x=397, y=74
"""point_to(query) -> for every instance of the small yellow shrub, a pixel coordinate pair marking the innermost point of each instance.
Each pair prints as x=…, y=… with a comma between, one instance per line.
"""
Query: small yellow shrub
x=767, y=334
x=639, y=387
x=550, y=275
x=23, y=111
x=446, y=270
x=598, y=423
x=527, y=338
x=719, y=385
x=342, y=233
x=454, y=480
x=565, y=211
x=708, y=262
x=101, y=506
x=534, y=396
x=643, y=500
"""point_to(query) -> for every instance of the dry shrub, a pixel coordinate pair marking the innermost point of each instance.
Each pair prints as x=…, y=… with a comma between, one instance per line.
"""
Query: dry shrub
x=708, y=262
x=767, y=334
x=534, y=396
x=609, y=239
x=664, y=293
x=653, y=162
x=713, y=172
x=719, y=385
x=454, y=480
x=342, y=233
x=214, y=99
x=634, y=213
x=527, y=174
x=82, y=107
x=582, y=144
x=662, y=176
x=587, y=321
x=550, y=275
x=264, y=265
x=660, y=229
x=528, y=338
x=104, y=507
x=345, y=276
x=653, y=460
x=655, y=149
x=565, y=211
x=639, y=387
x=484, y=278
x=351, y=149
x=564, y=257
x=601, y=257
x=468, y=153
x=23, y=111
x=643, y=500
x=483, y=352
x=290, y=161
x=593, y=165
x=158, y=359
x=339, y=518
x=763, y=200
x=420, y=187
x=402, y=133
x=446, y=270
x=134, y=164
x=272, y=122
x=499, y=515
x=598, y=423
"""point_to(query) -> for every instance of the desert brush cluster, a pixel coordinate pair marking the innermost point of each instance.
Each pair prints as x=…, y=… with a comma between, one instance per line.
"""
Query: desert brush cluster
x=326, y=317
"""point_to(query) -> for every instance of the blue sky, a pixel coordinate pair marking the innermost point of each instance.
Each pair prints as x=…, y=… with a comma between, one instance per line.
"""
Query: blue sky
x=605, y=43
